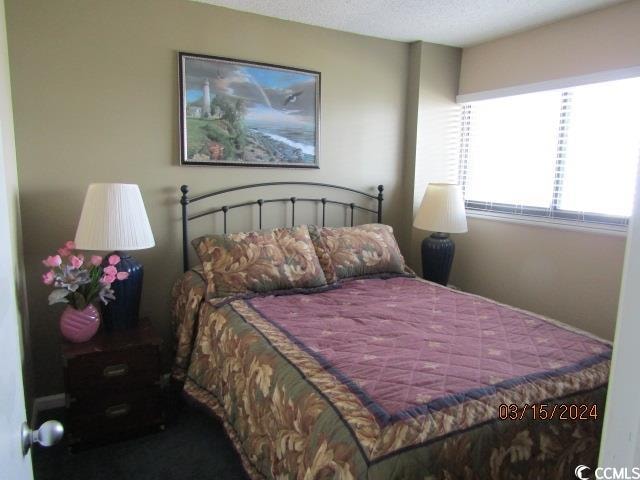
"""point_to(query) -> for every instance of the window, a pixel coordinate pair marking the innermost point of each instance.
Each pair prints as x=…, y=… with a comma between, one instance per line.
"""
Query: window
x=566, y=154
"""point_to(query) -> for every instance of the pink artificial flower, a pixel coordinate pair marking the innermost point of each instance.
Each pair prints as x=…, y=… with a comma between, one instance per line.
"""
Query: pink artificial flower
x=70, y=245
x=76, y=262
x=114, y=260
x=64, y=251
x=108, y=279
x=96, y=260
x=48, y=278
x=122, y=275
x=110, y=270
x=52, y=261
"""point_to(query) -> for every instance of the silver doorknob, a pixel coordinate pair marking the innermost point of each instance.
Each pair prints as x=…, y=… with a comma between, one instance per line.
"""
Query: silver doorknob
x=48, y=434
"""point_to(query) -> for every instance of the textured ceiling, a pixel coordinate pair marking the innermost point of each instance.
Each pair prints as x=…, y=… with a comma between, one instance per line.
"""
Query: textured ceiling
x=449, y=22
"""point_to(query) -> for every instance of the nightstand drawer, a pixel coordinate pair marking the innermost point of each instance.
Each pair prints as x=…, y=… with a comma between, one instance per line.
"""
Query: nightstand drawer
x=113, y=385
x=117, y=415
x=126, y=369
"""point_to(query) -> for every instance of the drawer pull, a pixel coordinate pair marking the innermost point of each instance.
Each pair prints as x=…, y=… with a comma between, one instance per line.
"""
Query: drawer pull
x=118, y=410
x=115, y=370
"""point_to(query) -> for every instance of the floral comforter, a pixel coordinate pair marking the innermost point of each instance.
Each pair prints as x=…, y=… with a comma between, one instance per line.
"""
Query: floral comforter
x=392, y=379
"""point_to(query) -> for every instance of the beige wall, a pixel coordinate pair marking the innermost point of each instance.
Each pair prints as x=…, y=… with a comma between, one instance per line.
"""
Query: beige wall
x=414, y=75
x=431, y=128
x=603, y=40
x=571, y=276
x=95, y=95
x=95, y=99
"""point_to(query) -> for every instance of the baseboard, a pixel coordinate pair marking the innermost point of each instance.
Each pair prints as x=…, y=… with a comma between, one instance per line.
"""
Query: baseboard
x=48, y=402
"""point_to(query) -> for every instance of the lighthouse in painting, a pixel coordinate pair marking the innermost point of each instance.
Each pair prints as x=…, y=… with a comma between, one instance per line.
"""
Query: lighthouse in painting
x=206, y=99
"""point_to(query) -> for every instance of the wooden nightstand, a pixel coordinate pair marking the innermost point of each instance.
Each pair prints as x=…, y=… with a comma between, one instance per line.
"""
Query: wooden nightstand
x=112, y=385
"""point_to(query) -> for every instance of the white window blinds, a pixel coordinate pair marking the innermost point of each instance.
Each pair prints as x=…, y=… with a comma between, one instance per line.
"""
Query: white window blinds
x=569, y=154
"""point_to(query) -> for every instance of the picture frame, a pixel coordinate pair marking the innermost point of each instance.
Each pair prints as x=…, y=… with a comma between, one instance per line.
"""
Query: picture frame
x=244, y=113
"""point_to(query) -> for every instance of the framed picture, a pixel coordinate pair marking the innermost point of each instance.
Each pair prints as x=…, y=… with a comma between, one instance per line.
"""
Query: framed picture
x=234, y=112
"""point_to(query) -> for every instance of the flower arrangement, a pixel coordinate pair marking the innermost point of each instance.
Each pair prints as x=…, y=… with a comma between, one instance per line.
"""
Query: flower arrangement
x=77, y=281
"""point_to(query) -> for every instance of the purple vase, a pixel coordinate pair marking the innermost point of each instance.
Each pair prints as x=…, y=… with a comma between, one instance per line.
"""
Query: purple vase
x=79, y=326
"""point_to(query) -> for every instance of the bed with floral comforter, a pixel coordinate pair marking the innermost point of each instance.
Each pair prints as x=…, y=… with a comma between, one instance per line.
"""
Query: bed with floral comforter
x=393, y=378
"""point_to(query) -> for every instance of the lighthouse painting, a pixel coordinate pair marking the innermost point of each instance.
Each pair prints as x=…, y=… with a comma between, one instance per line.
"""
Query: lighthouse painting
x=237, y=113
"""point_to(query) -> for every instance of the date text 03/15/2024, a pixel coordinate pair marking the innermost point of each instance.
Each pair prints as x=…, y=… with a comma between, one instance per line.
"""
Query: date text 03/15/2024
x=543, y=411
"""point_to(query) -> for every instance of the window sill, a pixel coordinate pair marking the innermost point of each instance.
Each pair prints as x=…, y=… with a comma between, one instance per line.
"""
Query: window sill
x=615, y=230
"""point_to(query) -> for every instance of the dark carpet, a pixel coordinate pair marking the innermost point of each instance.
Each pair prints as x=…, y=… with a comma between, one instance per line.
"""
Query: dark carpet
x=193, y=446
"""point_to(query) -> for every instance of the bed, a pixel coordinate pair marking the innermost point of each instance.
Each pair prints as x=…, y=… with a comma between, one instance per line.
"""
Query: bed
x=388, y=376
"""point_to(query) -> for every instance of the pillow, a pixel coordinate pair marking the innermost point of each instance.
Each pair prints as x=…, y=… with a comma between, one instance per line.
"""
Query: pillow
x=356, y=251
x=278, y=259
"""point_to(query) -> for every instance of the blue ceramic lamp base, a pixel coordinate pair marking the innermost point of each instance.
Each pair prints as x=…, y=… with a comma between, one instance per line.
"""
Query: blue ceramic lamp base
x=437, y=257
x=122, y=313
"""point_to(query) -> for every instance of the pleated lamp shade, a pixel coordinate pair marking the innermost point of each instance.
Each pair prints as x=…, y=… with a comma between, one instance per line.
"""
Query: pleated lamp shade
x=113, y=218
x=442, y=209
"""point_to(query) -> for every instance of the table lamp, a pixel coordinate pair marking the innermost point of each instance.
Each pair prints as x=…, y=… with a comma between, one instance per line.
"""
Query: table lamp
x=114, y=219
x=442, y=212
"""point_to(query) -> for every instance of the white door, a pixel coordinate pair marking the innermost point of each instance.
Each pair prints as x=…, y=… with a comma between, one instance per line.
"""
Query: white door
x=13, y=465
x=620, y=446
x=12, y=413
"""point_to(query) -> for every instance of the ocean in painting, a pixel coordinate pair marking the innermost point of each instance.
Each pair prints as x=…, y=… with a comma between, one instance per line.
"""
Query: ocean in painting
x=237, y=113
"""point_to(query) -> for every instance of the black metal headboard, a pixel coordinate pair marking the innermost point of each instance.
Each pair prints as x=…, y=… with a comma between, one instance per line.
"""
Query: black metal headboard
x=185, y=200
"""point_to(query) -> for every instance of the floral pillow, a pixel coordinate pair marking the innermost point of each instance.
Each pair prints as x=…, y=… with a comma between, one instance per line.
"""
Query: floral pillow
x=278, y=259
x=357, y=251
